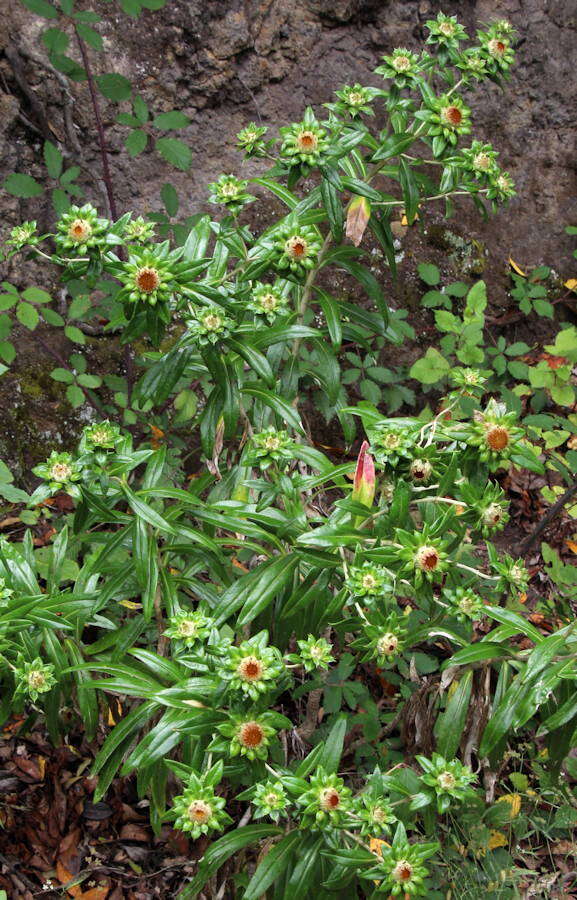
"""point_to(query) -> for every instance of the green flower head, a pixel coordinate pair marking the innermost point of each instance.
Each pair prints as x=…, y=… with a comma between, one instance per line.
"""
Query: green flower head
x=139, y=231
x=465, y=604
x=34, y=678
x=445, y=31
x=502, y=187
x=402, y=65
x=314, y=653
x=468, y=381
x=355, y=100
x=480, y=160
x=513, y=575
x=374, y=816
x=381, y=639
x=368, y=581
x=400, y=872
x=268, y=447
x=23, y=235
x=190, y=627
x=304, y=144
x=494, y=434
x=450, y=780
x=250, y=140
x=270, y=799
x=448, y=117
x=496, y=48
x=268, y=301
x=80, y=230
x=252, y=668
x=60, y=470
x=100, y=436
x=472, y=64
x=199, y=810
x=250, y=734
x=326, y=803
x=230, y=192
x=391, y=443
x=297, y=248
x=209, y=325
x=423, y=554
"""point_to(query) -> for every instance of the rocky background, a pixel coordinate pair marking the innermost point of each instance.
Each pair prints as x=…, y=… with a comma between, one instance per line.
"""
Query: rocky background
x=227, y=62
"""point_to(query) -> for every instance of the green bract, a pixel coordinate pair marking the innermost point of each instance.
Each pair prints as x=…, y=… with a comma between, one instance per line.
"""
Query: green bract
x=326, y=801
x=314, y=653
x=450, y=780
x=368, y=582
x=250, y=140
x=268, y=301
x=199, y=810
x=304, y=144
x=401, y=872
x=270, y=800
x=268, y=447
x=296, y=248
x=209, y=325
x=402, y=65
x=189, y=627
x=252, y=666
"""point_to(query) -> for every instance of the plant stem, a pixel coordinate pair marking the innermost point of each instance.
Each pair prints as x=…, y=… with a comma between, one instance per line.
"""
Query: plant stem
x=548, y=517
x=99, y=127
x=308, y=287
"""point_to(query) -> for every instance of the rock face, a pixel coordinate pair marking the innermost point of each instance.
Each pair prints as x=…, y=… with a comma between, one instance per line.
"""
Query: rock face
x=227, y=62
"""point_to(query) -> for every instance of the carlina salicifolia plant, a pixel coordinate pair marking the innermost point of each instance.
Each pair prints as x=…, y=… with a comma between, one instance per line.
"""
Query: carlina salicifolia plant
x=220, y=611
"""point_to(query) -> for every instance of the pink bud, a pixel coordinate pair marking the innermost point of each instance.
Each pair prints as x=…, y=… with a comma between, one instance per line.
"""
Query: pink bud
x=364, y=484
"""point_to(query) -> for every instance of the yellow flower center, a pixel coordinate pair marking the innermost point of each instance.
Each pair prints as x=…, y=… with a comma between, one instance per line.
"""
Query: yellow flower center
x=369, y=582
x=387, y=644
x=60, y=471
x=356, y=98
x=199, y=812
x=446, y=780
x=251, y=735
x=447, y=29
x=80, y=230
x=269, y=302
x=187, y=628
x=497, y=437
x=307, y=141
x=212, y=322
x=229, y=189
x=250, y=669
x=493, y=514
x=147, y=280
x=36, y=679
x=296, y=247
x=401, y=63
x=482, y=162
x=272, y=442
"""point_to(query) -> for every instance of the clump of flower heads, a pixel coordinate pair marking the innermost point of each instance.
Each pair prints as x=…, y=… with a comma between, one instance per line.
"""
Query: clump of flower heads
x=391, y=443
x=139, y=231
x=21, y=236
x=100, y=436
x=375, y=815
x=354, y=100
x=61, y=472
x=314, y=653
x=251, y=140
x=381, y=639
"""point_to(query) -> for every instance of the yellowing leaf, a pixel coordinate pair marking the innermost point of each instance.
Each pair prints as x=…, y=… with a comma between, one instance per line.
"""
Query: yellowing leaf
x=376, y=846
x=514, y=800
x=572, y=546
x=571, y=284
x=496, y=839
x=516, y=268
